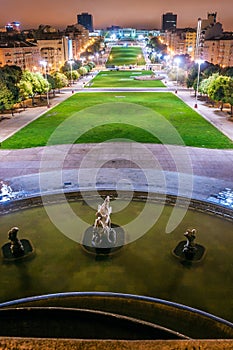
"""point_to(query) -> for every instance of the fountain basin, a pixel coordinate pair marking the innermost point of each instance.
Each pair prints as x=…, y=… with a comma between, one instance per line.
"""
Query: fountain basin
x=144, y=267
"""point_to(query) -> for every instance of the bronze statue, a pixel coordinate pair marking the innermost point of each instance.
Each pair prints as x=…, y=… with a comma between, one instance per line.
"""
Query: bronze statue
x=103, y=215
x=16, y=246
x=190, y=235
x=102, y=224
x=188, y=251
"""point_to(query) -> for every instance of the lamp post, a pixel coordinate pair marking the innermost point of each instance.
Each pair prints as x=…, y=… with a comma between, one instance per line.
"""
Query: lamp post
x=199, y=62
x=177, y=60
x=44, y=64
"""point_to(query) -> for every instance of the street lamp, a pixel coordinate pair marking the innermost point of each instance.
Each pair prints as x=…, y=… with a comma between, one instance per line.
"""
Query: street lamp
x=199, y=62
x=71, y=72
x=44, y=64
x=177, y=61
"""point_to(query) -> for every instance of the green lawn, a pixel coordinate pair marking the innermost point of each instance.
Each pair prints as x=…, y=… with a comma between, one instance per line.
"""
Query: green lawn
x=124, y=79
x=120, y=56
x=98, y=117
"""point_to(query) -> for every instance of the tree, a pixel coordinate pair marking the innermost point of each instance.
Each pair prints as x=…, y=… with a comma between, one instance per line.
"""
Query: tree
x=51, y=82
x=74, y=75
x=91, y=64
x=217, y=90
x=209, y=69
x=205, y=83
x=157, y=45
x=82, y=71
x=192, y=76
x=11, y=75
x=6, y=97
x=94, y=47
x=206, y=70
x=60, y=80
x=228, y=71
x=27, y=82
x=228, y=87
x=173, y=75
x=33, y=83
x=87, y=67
x=25, y=89
x=41, y=84
x=76, y=64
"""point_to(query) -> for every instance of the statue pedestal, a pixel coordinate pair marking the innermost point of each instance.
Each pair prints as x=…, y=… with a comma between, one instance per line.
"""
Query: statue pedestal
x=104, y=247
x=195, y=256
x=9, y=257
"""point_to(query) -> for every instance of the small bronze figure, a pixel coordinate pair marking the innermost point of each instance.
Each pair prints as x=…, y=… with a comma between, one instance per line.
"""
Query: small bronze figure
x=16, y=247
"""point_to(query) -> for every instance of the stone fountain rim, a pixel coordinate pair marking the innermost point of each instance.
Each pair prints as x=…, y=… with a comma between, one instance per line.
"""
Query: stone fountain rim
x=36, y=200
x=146, y=300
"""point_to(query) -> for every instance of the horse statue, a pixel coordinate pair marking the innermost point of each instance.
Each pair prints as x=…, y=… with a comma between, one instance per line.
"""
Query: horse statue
x=102, y=224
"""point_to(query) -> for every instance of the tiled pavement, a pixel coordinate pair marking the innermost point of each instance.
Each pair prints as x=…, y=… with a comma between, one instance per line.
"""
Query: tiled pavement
x=194, y=172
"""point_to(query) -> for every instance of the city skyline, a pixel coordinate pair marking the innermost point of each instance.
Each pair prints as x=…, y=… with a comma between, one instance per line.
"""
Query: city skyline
x=145, y=14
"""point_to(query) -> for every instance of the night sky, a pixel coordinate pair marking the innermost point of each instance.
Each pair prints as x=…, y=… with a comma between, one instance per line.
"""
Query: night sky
x=126, y=13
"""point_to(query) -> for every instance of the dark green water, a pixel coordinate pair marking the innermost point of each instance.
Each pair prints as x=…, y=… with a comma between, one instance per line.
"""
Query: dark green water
x=144, y=267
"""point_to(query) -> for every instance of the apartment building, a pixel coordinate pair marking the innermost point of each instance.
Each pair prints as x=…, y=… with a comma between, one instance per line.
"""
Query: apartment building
x=79, y=37
x=24, y=55
x=219, y=50
x=206, y=29
x=54, y=51
x=169, y=21
x=181, y=41
x=86, y=20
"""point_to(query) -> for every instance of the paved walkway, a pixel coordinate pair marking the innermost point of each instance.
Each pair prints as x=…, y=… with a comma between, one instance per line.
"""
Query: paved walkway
x=192, y=172
x=189, y=172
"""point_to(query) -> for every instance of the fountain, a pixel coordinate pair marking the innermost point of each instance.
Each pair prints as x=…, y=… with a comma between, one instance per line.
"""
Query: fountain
x=102, y=226
x=16, y=249
x=104, y=237
x=189, y=251
x=135, y=273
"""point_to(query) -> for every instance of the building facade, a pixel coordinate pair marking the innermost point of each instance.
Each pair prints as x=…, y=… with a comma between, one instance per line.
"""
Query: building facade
x=24, y=55
x=54, y=51
x=219, y=50
x=169, y=21
x=206, y=29
x=79, y=36
x=181, y=41
x=86, y=20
